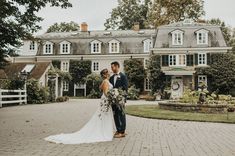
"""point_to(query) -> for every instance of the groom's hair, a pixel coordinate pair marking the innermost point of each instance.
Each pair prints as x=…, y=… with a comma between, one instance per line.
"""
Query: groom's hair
x=115, y=63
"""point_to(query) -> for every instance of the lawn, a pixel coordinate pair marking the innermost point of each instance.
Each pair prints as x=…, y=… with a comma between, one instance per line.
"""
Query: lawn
x=154, y=112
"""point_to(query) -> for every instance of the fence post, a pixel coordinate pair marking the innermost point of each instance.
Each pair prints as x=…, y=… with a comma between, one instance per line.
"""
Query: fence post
x=25, y=97
x=0, y=97
x=20, y=98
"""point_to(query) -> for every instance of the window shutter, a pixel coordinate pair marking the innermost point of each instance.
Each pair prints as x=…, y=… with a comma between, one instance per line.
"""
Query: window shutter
x=208, y=58
x=196, y=82
x=196, y=59
x=165, y=61
x=189, y=60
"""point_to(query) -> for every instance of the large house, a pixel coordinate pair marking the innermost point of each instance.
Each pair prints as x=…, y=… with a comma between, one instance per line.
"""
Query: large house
x=183, y=46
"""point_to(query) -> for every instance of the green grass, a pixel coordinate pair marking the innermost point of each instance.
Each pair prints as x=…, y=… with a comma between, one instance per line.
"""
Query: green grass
x=154, y=112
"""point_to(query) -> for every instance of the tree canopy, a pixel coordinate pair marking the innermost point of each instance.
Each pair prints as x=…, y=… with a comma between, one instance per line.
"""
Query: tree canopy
x=153, y=13
x=64, y=27
x=18, y=20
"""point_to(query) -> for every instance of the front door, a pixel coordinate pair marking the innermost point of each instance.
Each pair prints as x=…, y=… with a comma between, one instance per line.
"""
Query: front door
x=177, y=87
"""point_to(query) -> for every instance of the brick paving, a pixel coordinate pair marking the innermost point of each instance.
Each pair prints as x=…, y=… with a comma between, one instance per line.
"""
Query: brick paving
x=24, y=127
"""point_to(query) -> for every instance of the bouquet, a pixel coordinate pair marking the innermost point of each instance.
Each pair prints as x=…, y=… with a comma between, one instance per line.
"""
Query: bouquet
x=116, y=97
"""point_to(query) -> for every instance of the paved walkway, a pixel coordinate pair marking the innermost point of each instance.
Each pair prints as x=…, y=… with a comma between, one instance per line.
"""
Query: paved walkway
x=22, y=129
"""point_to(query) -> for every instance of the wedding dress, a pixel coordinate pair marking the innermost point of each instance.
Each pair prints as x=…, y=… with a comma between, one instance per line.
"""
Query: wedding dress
x=98, y=129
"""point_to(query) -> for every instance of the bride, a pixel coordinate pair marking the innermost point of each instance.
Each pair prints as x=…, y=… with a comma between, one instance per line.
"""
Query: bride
x=99, y=128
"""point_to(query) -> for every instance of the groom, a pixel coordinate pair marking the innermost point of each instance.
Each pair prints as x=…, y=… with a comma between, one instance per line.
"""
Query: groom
x=119, y=80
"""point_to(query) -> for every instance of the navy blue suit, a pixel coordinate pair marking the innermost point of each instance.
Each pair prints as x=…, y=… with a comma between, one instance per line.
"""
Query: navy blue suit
x=119, y=115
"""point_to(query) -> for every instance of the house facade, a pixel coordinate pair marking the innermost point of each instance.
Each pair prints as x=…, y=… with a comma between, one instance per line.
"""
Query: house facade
x=183, y=47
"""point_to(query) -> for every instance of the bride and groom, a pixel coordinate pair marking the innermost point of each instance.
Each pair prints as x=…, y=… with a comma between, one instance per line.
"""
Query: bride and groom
x=100, y=127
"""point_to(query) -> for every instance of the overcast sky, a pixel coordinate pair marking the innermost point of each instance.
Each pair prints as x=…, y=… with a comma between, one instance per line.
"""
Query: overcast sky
x=94, y=12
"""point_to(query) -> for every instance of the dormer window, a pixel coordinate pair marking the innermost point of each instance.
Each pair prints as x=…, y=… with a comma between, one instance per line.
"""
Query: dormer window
x=114, y=46
x=147, y=45
x=48, y=48
x=65, y=47
x=95, y=47
x=202, y=36
x=177, y=37
x=32, y=45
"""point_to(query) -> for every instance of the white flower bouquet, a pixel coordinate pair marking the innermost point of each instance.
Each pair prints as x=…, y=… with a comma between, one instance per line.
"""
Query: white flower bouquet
x=116, y=97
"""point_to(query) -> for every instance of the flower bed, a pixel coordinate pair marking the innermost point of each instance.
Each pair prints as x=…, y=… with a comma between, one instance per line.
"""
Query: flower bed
x=185, y=107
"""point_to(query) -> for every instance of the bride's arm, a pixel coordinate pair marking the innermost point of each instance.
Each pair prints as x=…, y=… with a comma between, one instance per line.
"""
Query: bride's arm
x=105, y=87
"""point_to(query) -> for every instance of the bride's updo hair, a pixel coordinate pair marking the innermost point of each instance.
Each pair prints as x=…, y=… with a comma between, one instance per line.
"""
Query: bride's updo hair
x=104, y=72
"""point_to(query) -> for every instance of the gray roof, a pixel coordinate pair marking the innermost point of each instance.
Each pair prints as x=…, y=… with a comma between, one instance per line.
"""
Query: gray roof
x=98, y=34
x=164, y=38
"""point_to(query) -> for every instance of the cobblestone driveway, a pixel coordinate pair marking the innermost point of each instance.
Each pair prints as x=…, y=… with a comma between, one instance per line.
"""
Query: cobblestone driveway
x=24, y=127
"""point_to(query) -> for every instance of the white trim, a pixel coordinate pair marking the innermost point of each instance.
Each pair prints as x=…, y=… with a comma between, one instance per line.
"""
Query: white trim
x=204, y=37
x=203, y=61
x=46, y=46
x=146, y=62
x=98, y=47
x=147, y=88
x=64, y=43
x=64, y=66
x=65, y=86
x=174, y=60
x=147, y=45
x=117, y=48
x=32, y=45
x=202, y=78
x=177, y=37
x=95, y=66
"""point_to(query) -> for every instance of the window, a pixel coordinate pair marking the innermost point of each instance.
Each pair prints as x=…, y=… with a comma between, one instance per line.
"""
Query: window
x=202, y=37
x=147, y=85
x=95, y=66
x=177, y=60
x=202, y=59
x=147, y=45
x=28, y=68
x=177, y=37
x=65, y=86
x=96, y=47
x=48, y=48
x=202, y=79
x=65, y=47
x=65, y=66
x=32, y=45
x=114, y=46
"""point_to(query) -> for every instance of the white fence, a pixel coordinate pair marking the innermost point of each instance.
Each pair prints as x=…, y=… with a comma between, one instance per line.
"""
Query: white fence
x=7, y=95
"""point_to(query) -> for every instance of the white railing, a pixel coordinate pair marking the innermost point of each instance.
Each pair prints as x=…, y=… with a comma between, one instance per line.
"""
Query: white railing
x=6, y=94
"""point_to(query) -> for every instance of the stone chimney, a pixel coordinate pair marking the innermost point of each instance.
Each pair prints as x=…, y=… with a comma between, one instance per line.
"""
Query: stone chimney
x=136, y=26
x=84, y=27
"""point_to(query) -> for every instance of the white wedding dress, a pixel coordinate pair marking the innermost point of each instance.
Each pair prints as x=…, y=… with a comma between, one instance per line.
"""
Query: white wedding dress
x=98, y=129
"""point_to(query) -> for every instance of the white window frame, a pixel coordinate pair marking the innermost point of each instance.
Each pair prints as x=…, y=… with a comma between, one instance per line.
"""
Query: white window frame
x=202, y=78
x=65, y=43
x=177, y=37
x=147, y=86
x=203, y=61
x=97, y=43
x=204, y=37
x=32, y=45
x=174, y=60
x=45, y=48
x=95, y=66
x=117, y=46
x=64, y=66
x=65, y=85
x=147, y=45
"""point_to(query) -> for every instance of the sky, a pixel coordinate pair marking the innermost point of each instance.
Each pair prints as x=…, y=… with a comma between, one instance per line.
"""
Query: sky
x=94, y=13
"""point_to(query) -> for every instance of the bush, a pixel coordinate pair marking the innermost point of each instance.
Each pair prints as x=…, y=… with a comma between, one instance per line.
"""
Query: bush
x=35, y=93
x=62, y=99
x=94, y=94
x=93, y=82
x=133, y=93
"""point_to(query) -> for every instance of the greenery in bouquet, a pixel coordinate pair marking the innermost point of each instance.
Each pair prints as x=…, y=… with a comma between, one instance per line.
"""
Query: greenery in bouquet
x=116, y=97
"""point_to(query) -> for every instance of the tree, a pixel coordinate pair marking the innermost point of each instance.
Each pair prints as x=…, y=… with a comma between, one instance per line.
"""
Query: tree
x=157, y=78
x=64, y=27
x=226, y=30
x=162, y=12
x=127, y=13
x=18, y=20
x=134, y=69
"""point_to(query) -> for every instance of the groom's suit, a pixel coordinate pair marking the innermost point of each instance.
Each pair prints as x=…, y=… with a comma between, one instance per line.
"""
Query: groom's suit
x=119, y=115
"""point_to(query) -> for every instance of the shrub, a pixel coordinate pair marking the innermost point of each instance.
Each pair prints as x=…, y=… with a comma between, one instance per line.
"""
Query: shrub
x=62, y=98
x=93, y=82
x=35, y=93
x=94, y=94
x=133, y=93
